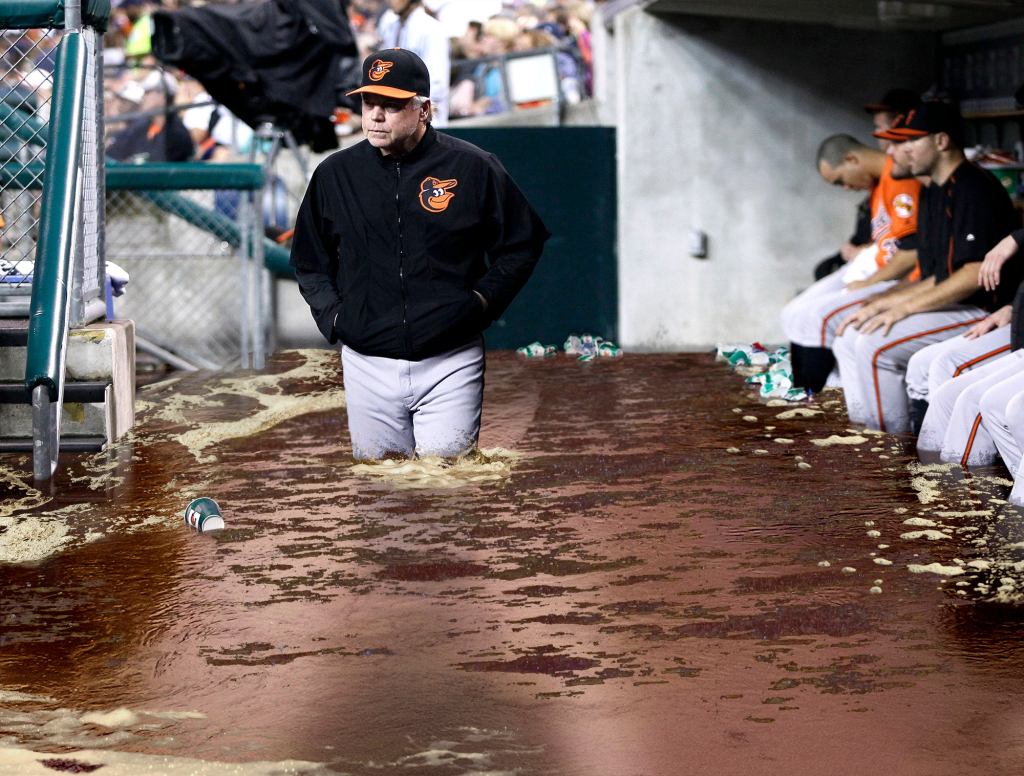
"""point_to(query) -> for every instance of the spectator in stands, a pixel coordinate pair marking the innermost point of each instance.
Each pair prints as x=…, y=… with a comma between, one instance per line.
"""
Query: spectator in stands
x=216, y=133
x=456, y=15
x=497, y=38
x=578, y=24
x=136, y=23
x=407, y=25
x=159, y=136
x=531, y=39
x=568, y=69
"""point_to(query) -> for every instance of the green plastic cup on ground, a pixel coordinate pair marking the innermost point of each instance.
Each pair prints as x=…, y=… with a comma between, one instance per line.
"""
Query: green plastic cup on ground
x=203, y=515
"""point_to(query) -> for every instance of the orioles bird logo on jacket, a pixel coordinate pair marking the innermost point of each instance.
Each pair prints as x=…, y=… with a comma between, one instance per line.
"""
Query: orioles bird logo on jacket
x=435, y=194
x=379, y=69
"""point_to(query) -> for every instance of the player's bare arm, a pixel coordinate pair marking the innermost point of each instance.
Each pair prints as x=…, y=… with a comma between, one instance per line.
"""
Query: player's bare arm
x=883, y=303
x=957, y=287
x=988, y=275
x=901, y=265
x=998, y=319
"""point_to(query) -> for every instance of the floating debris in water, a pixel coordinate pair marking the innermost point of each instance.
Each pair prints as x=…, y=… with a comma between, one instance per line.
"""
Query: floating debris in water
x=480, y=466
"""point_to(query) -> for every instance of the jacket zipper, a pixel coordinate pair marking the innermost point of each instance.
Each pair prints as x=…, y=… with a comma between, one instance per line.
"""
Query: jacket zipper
x=401, y=261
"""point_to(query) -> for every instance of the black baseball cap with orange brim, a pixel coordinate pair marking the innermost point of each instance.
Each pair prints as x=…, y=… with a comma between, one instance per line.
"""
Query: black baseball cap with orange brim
x=395, y=73
x=930, y=118
x=892, y=134
x=894, y=101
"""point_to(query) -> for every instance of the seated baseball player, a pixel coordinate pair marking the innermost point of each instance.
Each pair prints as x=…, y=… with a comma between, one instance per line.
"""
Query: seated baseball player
x=811, y=319
x=964, y=213
x=972, y=377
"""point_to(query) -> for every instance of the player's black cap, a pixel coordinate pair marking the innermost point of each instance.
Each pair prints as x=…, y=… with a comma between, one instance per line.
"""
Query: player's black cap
x=895, y=101
x=892, y=134
x=931, y=117
x=397, y=73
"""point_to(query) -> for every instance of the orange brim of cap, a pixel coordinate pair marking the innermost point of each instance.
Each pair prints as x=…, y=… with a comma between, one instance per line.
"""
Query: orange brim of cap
x=903, y=133
x=385, y=91
x=890, y=135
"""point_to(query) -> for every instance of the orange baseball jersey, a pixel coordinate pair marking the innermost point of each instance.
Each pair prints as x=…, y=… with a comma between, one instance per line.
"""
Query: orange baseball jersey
x=893, y=212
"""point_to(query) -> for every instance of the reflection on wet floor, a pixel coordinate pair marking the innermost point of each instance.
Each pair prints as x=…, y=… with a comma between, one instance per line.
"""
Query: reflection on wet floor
x=664, y=575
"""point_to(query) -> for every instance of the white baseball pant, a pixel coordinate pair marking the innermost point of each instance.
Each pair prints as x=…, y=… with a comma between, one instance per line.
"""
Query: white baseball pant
x=932, y=366
x=953, y=424
x=426, y=407
x=812, y=321
x=861, y=267
x=873, y=366
x=1002, y=415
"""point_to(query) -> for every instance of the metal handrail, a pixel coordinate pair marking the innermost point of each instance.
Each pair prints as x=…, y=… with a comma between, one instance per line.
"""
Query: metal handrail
x=50, y=306
x=51, y=286
x=32, y=14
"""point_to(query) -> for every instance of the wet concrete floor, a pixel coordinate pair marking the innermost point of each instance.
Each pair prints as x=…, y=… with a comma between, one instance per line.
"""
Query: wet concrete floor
x=671, y=579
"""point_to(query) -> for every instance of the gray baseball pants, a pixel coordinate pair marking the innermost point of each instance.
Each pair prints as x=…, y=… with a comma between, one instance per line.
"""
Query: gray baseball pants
x=426, y=407
x=931, y=367
x=873, y=366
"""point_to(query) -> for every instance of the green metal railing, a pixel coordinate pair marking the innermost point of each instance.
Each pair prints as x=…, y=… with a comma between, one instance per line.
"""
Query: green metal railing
x=50, y=305
x=157, y=182
x=61, y=215
x=182, y=193
x=29, y=14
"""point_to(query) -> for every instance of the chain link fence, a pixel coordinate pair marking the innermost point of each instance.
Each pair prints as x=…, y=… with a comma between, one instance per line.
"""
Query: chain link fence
x=26, y=86
x=25, y=91
x=193, y=293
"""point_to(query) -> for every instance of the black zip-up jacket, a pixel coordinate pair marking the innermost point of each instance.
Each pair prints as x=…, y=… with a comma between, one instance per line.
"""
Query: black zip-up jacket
x=389, y=250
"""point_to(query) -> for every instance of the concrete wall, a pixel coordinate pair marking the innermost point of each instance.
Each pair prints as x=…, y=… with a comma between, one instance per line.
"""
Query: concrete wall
x=718, y=123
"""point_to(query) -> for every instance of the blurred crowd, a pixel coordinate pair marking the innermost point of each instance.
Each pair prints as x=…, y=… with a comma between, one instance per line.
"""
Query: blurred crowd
x=467, y=45
x=476, y=37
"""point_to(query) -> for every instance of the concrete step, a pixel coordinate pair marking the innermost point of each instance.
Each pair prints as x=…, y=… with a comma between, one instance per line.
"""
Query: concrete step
x=99, y=392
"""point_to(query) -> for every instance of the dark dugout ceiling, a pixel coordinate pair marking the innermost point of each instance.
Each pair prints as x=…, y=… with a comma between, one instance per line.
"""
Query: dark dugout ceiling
x=858, y=14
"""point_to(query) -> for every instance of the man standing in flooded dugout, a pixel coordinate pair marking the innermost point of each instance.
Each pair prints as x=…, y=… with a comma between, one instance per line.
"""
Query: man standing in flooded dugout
x=407, y=246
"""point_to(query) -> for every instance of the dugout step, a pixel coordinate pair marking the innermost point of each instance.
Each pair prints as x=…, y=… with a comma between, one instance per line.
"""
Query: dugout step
x=99, y=393
x=74, y=393
x=85, y=444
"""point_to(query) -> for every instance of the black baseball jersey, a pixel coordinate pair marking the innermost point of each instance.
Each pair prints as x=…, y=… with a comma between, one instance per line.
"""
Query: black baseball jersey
x=962, y=220
x=389, y=251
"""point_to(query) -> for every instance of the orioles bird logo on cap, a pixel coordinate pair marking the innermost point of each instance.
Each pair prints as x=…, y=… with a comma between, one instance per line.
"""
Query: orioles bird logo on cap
x=379, y=69
x=435, y=194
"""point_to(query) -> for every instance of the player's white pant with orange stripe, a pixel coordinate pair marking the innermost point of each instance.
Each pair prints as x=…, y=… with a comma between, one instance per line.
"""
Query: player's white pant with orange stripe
x=953, y=425
x=1002, y=415
x=812, y=321
x=873, y=366
x=932, y=366
x=793, y=312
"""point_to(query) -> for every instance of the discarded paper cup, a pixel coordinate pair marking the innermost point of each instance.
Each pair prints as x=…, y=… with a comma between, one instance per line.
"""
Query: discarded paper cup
x=204, y=515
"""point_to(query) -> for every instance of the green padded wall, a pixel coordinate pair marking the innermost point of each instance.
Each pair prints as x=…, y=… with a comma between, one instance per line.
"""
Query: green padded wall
x=568, y=174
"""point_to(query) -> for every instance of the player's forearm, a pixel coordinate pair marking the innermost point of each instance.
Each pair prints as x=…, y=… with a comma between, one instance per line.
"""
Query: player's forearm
x=954, y=289
x=904, y=294
x=899, y=266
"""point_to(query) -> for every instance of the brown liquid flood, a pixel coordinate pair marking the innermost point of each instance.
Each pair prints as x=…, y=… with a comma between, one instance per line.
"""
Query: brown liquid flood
x=624, y=597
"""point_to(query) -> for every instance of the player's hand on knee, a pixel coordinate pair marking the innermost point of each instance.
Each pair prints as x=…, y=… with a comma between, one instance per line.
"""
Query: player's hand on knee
x=885, y=320
x=999, y=318
x=855, y=319
x=988, y=274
